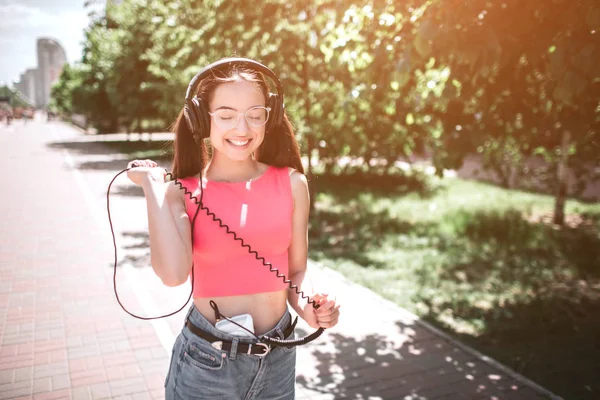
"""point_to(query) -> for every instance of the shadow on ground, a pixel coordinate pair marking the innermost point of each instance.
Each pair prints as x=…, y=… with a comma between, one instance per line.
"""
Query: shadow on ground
x=423, y=366
x=116, y=154
x=134, y=250
x=127, y=190
x=345, y=187
x=347, y=232
x=93, y=146
x=528, y=291
x=518, y=246
x=349, y=235
x=543, y=296
x=551, y=339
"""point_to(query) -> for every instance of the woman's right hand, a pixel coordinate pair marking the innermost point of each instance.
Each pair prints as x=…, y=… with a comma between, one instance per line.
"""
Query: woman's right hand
x=141, y=169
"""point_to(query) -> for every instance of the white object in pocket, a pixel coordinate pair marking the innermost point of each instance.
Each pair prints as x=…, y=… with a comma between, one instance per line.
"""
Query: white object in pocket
x=230, y=328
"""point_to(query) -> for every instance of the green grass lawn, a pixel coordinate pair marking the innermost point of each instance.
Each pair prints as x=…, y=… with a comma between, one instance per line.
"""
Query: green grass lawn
x=483, y=263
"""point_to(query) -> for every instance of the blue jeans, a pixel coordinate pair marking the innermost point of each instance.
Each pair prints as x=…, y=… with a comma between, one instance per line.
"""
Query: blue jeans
x=200, y=371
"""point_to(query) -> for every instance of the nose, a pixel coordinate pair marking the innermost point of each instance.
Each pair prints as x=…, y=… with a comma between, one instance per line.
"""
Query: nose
x=244, y=124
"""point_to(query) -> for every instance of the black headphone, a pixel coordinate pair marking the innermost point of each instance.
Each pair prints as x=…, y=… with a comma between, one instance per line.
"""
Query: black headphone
x=195, y=110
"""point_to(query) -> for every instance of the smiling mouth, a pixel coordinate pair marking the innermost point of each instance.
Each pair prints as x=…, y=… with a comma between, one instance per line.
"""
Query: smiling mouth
x=239, y=143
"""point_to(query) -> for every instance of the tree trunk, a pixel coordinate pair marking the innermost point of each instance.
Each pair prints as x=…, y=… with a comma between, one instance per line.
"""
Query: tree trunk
x=561, y=191
x=501, y=165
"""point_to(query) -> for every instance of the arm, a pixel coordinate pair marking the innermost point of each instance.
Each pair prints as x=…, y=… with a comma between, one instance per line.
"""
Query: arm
x=168, y=224
x=170, y=232
x=326, y=316
x=298, y=250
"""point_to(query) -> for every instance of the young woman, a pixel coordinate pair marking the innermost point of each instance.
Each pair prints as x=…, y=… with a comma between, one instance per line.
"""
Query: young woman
x=253, y=182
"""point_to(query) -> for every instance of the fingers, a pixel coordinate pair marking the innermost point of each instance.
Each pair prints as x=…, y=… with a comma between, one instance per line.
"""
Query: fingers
x=142, y=163
x=137, y=169
x=323, y=300
x=317, y=298
x=328, y=312
x=329, y=320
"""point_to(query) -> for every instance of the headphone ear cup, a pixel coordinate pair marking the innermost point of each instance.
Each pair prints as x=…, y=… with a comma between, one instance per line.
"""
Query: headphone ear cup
x=202, y=117
x=276, y=113
x=190, y=117
x=196, y=117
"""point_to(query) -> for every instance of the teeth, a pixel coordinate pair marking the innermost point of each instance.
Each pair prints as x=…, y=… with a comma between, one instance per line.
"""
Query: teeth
x=239, y=142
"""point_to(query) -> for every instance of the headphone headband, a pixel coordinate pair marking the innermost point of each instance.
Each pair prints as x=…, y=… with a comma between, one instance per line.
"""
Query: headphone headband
x=228, y=62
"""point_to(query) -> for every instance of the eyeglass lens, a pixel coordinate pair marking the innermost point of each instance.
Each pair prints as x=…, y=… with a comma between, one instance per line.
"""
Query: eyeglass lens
x=229, y=119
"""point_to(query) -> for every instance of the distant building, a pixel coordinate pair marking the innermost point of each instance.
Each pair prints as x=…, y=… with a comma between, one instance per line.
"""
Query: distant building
x=51, y=59
x=26, y=85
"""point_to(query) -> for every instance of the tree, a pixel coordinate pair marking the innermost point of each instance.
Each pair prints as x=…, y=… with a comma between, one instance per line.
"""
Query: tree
x=136, y=87
x=371, y=81
x=526, y=72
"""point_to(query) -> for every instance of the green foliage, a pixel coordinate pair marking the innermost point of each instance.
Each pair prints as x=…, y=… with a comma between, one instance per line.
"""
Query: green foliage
x=526, y=74
x=63, y=91
x=374, y=81
x=15, y=99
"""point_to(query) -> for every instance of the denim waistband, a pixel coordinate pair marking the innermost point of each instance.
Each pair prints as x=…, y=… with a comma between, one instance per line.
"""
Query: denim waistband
x=196, y=318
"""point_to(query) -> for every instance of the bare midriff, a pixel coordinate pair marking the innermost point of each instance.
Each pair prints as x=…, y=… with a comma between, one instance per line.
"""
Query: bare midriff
x=266, y=308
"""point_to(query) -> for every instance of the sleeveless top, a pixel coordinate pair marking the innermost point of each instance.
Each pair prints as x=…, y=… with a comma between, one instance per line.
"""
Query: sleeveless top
x=259, y=212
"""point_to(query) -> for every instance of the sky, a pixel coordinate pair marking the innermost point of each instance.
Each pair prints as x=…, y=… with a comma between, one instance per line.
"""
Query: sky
x=22, y=21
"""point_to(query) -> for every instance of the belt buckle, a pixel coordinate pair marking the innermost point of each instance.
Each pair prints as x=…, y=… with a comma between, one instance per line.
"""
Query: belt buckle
x=266, y=347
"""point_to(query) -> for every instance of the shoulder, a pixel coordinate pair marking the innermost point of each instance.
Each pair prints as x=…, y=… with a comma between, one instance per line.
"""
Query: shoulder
x=174, y=192
x=297, y=178
x=299, y=184
x=176, y=189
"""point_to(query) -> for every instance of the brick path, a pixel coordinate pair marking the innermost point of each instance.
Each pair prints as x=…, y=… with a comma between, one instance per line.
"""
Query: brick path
x=63, y=335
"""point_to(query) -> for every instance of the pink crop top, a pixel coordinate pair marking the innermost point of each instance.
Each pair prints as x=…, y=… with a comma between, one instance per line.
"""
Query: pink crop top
x=260, y=212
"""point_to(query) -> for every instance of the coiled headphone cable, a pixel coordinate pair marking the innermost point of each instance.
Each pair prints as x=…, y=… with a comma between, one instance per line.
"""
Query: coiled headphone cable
x=264, y=339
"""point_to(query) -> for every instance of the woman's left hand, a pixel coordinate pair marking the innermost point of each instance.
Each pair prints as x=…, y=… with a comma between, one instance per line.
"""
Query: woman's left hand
x=326, y=316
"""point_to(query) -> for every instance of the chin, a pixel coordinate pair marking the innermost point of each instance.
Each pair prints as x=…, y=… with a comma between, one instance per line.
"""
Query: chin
x=238, y=155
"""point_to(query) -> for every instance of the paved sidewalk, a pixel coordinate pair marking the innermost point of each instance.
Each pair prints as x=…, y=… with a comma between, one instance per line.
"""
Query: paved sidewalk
x=63, y=335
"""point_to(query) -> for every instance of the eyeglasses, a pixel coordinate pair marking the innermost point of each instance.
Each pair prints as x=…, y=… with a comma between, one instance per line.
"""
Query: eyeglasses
x=229, y=119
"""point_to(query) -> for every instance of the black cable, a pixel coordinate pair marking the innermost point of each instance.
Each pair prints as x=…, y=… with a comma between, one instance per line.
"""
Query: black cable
x=112, y=231
x=265, y=339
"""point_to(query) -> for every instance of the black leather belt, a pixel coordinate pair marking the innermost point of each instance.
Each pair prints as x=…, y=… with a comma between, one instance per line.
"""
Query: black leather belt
x=258, y=349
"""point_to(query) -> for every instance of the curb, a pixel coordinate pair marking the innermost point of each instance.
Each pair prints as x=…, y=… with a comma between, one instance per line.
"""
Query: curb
x=409, y=315
x=72, y=125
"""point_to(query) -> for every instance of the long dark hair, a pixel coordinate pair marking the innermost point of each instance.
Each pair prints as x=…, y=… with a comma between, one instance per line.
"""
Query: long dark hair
x=279, y=147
